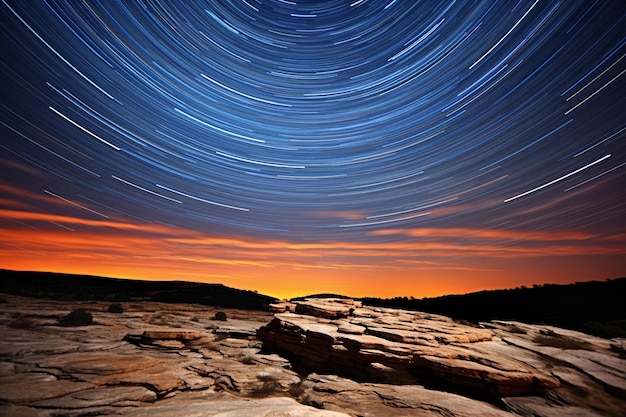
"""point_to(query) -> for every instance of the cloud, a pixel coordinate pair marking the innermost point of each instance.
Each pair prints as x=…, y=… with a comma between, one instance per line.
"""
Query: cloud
x=433, y=245
x=487, y=234
x=401, y=257
x=32, y=216
x=20, y=167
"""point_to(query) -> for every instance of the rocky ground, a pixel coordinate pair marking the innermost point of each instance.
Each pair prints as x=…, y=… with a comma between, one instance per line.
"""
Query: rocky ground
x=315, y=358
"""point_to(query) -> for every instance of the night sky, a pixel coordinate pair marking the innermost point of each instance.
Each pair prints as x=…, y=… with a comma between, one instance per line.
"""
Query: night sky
x=372, y=147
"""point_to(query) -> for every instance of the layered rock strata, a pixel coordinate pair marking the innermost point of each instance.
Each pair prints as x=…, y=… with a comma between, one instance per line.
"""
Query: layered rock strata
x=533, y=370
x=170, y=360
x=376, y=344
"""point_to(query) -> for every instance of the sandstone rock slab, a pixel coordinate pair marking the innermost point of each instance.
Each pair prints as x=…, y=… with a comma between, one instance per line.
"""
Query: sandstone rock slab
x=430, y=365
x=28, y=387
x=99, y=363
x=410, y=343
x=374, y=400
x=102, y=396
x=266, y=407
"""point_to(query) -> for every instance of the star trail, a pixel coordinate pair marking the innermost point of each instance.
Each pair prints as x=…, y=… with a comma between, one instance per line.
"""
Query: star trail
x=372, y=147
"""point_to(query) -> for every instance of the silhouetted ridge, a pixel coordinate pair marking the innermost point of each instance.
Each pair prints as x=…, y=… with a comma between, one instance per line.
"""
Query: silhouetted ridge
x=595, y=307
x=323, y=295
x=87, y=287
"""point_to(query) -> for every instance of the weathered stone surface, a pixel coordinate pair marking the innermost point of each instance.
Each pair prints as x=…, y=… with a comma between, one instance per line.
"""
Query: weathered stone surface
x=539, y=407
x=351, y=328
x=398, y=340
x=28, y=387
x=98, y=363
x=158, y=359
x=608, y=370
x=11, y=410
x=499, y=360
x=7, y=368
x=172, y=334
x=169, y=344
x=267, y=407
x=249, y=380
x=103, y=396
x=373, y=400
x=330, y=308
x=162, y=378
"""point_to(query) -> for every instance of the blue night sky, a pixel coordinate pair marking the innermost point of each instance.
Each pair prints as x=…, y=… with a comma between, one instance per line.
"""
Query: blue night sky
x=444, y=146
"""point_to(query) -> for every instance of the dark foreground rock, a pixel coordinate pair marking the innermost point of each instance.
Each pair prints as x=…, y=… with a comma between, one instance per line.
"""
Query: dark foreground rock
x=171, y=360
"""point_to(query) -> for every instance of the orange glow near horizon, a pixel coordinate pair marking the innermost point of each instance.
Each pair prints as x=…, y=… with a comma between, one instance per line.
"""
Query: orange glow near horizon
x=426, y=263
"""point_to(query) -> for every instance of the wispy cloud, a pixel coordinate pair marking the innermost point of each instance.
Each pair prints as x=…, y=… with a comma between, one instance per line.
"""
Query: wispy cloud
x=120, y=247
x=487, y=234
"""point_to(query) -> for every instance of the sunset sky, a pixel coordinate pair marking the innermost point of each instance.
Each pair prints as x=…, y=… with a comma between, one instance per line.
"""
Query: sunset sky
x=367, y=147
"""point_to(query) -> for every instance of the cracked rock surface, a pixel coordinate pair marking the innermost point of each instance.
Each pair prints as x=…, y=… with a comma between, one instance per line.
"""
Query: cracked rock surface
x=330, y=358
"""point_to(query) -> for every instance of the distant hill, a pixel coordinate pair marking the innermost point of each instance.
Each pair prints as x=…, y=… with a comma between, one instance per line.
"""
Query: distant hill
x=86, y=287
x=596, y=307
x=323, y=295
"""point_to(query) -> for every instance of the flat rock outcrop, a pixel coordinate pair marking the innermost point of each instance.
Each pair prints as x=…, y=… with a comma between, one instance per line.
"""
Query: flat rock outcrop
x=497, y=361
x=374, y=344
x=328, y=359
x=372, y=400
